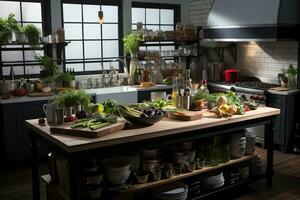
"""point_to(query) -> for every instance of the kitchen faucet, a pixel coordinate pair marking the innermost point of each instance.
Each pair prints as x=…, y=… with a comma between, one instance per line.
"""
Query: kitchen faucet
x=126, y=79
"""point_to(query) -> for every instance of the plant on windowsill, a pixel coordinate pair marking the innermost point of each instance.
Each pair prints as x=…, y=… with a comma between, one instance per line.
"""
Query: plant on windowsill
x=49, y=70
x=66, y=79
x=132, y=43
x=33, y=34
x=7, y=27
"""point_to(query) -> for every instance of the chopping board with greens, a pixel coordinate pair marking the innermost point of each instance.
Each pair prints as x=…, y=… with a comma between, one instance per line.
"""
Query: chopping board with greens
x=90, y=127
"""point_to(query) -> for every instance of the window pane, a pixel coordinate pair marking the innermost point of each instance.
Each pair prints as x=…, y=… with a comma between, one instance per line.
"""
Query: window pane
x=12, y=56
x=92, y=31
x=167, y=28
x=152, y=16
x=7, y=7
x=74, y=50
x=76, y=66
x=108, y=65
x=19, y=70
x=138, y=15
x=29, y=55
x=166, y=16
x=110, y=49
x=110, y=31
x=110, y=13
x=90, y=13
x=92, y=49
x=34, y=69
x=151, y=27
x=73, y=31
x=93, y=66
x=153, y=48
x=31, y=12
x=72, y=12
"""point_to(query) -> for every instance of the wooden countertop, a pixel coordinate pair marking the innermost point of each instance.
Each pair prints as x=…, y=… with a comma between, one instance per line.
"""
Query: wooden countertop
x=162, y=128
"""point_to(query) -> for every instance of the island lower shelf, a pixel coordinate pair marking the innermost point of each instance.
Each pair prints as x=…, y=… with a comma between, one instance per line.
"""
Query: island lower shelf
x=144, y=186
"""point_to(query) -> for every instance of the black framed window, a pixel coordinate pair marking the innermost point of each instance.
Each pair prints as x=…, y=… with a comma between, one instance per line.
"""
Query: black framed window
x=155, y=16
x=21, y=57
x=93, y=45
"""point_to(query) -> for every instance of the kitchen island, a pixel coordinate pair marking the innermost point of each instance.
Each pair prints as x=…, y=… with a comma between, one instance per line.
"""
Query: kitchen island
x=76, y=149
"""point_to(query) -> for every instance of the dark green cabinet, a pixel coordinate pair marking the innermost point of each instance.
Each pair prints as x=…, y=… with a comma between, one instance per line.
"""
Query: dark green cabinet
x=15, y=138
x=285, y=124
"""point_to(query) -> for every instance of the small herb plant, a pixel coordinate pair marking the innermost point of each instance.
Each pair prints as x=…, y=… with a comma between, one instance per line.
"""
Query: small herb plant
x=132, y=43
x=65, y=77
x=32, y=34
x=292, y=71
x=70, y=98
x=48, y=66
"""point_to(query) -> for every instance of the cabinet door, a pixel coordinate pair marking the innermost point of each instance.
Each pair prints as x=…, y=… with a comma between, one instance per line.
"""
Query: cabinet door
x=11, y=140
x=278, y=101
x=31, y=110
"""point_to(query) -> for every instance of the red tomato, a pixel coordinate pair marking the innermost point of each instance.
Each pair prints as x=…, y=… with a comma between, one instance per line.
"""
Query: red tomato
x=246, y=108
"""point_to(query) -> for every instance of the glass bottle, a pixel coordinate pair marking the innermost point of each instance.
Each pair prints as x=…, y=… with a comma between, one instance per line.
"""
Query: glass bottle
x=174, y=90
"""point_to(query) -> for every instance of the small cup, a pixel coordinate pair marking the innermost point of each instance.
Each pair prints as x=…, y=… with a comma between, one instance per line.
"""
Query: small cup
x=178, y=170
x=169, y=173
x=192, y=167
x=142, y=176
x=200, y=163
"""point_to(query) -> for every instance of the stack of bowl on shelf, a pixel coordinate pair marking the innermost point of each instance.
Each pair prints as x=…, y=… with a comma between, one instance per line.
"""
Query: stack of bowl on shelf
x=258, y=166
x=92, y=178
x=172, y=191
x=117, y=170
x=151, y=164
x=237, y=144
x=212, y=181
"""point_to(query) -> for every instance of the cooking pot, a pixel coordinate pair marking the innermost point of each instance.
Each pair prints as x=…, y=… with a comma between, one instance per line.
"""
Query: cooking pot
x=231, y=75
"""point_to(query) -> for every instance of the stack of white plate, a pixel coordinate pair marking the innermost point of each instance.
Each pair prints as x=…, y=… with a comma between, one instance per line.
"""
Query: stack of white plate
x=237, y=145
x=213, y=181
x=172, y=191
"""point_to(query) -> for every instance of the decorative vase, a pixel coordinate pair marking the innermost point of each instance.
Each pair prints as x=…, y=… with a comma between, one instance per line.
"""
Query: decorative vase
x=134, y=62
x=69, y=111
x=21, y=38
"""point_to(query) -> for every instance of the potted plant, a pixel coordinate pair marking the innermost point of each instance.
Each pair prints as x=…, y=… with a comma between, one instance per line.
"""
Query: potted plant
x=82, y=100
x=291, y=75
x=21, y=36
x=49, y=69
x=32, y=33
x=66, y=79
x=8, y=26
x=132, y=43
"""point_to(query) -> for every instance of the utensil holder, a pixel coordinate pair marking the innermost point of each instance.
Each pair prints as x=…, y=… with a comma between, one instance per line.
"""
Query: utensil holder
x=183, y=102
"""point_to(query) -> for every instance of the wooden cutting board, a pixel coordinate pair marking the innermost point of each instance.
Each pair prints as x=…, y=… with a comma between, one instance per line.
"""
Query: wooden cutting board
x=186, y=115
x=86, y=132
x=40, y=94
x=280, y=89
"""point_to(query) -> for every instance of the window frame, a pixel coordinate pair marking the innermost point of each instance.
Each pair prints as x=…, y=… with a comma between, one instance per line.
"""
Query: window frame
x=120, y=35
x=46, y=27
x=177, y=18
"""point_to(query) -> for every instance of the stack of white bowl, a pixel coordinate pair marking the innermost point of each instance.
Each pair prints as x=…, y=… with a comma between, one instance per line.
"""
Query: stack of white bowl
x=213, y=181
x=172, y=191
x=237, y=145
x=117, y=170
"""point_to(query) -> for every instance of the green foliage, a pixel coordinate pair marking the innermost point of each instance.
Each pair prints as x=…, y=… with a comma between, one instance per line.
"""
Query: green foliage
x=65, y=77
x=50, y=69
x=291, y=71
x=7, y=26
x=132, y=43
x=69, y=98
x=32, y=34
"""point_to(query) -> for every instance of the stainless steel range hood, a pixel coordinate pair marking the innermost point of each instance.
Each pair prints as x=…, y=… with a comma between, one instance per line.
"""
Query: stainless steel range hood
x=253, y=20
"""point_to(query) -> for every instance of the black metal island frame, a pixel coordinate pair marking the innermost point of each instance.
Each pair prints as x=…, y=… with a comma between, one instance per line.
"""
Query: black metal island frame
x=76, y=149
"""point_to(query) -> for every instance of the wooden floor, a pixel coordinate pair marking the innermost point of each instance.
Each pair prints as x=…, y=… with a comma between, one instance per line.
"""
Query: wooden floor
x=16, y=183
